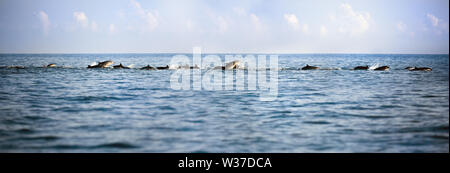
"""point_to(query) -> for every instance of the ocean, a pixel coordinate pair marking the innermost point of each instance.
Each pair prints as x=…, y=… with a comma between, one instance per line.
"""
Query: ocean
x=75, y=109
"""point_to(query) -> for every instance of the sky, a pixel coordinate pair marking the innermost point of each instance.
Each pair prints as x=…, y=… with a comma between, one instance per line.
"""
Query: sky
x=224, y=26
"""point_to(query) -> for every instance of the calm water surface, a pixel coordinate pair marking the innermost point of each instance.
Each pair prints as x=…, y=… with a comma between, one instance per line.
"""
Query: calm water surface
x=105, y=110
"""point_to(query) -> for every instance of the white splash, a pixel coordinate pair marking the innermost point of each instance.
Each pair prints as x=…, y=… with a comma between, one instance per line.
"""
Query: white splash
x=374, y=66
x=93, y=63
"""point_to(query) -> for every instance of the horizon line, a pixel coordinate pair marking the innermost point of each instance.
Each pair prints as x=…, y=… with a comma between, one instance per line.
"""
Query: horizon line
x=1, y=53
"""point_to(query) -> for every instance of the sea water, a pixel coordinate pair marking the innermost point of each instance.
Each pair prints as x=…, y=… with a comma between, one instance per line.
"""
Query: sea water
x=75, y=109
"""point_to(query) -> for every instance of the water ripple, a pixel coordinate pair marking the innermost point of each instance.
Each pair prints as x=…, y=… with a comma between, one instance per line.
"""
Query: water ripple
x=337, y=110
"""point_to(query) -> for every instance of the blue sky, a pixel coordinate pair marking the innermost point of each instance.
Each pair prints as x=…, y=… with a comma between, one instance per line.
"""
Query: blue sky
x=238, y=26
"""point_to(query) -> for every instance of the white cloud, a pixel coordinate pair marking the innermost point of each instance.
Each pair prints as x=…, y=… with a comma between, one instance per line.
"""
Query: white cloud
x=439, y=26
x=94, y=26
x=255, y=21
x=240, y=11
x=434, y=20
x=401, y=26
x=323, y=31
x=43, y=17
x=222, y=24
x=81, y=18
x=305, y=28
x=342, y=29
x=242, y=14
x=332, y=17
x=292, y=21
x=112, y=29
x=189, y=25
x=351, y=21
x=121, y=14
x=254, y=18
x=150, y=18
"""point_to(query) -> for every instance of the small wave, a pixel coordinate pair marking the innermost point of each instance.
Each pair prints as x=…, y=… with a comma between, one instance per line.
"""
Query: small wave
x=166, y=108
x=329, y=68
x=441, y=128
x=390, y=106
x=14, y=67
x=24, y=130
x=367, y=116
x=314, y=94
x=357, y=108
x=137, y=89
x=196, y=121
x=439, y=137
x=316, y=122
x=434, y=129
x=31, y=117
x=116, y=145
x=64, y=146
x=289, y=68
x=378, y=116
x=430, y=96
x=93, y=98
x=322, y=103
x=45, y=138
x=281, y=112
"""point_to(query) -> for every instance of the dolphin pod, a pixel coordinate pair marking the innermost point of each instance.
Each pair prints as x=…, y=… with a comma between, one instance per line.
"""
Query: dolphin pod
x=382, y=68
x=228, y=66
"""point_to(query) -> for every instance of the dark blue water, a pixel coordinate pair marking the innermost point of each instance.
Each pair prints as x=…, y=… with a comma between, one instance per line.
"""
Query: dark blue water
x=75, y=109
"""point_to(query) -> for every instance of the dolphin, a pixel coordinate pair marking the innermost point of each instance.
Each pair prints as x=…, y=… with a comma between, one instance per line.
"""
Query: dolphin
x=121, y=66
x=50, y=65
x=188, y=67
x=103, y=64
x=361, y=68
x=148, y=67
x=420, y=69
x=231, y=65
x=183, y=66
x=195, y=67
x=16, y=67
x=382, y=68
x=308, y=67
x=163, y=68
